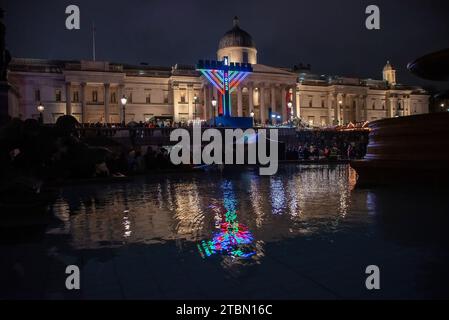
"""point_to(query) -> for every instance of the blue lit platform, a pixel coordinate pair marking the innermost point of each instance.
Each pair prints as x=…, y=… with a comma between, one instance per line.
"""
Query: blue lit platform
x=234, y=122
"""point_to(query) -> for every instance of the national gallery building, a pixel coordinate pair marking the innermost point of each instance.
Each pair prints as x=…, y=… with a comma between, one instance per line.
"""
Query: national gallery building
x=91, y=91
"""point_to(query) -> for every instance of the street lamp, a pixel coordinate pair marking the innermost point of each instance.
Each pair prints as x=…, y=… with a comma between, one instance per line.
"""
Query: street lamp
x=195, y=100
x=124, y=100
x=339, y=112
x=214, y=104
x=252, y=115
x=41, y=109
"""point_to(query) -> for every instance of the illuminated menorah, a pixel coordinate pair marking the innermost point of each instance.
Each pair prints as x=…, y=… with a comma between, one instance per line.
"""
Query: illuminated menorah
x=225, y=76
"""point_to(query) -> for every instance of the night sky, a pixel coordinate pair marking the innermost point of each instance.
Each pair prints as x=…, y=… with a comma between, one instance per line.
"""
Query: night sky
x=328, y=34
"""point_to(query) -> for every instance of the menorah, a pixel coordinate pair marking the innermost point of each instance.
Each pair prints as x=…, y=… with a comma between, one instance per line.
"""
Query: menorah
x=225, y=76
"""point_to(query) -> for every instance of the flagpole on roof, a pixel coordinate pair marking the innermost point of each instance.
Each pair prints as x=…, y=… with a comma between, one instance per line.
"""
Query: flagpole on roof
x=93, y=41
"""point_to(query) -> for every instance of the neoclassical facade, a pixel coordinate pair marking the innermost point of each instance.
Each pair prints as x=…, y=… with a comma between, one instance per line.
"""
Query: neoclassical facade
x=91, y=91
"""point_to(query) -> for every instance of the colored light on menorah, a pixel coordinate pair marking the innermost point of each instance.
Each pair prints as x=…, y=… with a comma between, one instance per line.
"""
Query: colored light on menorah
x=225, y=77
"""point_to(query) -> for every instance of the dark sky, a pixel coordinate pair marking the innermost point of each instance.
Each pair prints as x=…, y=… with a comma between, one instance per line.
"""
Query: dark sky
x=329, y=34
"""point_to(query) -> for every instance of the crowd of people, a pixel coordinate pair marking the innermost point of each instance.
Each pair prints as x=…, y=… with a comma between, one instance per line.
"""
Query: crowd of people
x=328, y=145
x=137, y=160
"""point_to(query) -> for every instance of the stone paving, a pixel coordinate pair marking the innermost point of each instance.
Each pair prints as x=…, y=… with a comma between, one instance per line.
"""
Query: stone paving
x=291, y=269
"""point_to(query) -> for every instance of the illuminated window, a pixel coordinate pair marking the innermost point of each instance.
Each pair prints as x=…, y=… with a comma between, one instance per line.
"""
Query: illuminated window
x=75, y=97
x=165, y=96
x=148, y=98
x=94, y=96
x=183, y=96
x=113, y=97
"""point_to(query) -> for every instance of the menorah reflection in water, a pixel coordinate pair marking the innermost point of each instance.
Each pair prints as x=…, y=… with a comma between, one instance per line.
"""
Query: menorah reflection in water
x=233, y=238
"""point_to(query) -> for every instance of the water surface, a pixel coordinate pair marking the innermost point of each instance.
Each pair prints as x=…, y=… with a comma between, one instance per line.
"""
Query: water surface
x=306, y=232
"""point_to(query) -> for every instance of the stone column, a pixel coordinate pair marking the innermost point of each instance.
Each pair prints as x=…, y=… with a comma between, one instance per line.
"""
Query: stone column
x=330, y=103
x=365, y=107
x=392, y=107
x=210, y=92
x=190, y=94
x=262, y=107
x=407, y=106
x=239, y=102
x=215, y=112
x=176, y=103
x=119, y=100
x=296, y=103
x=349, y=108
x=355, y=111
x=395, y=107
x=68, y=98
x=107, y=100
x=251, y=98
x=338, y=106
x=273, y=99
x=83, y=103
x=285, y=116
x=205, y=103
x=344, y=106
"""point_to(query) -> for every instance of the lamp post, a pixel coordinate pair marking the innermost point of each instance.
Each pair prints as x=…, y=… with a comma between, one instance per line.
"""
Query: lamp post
x=124, y=100
x=214, y=104
x=273, y=119
x=195, y=100
x=41, y=109
x=252, y=116
x=339, y=112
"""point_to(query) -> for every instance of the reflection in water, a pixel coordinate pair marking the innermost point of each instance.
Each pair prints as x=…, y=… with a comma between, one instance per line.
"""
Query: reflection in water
x=233, y=239
x=297, y=201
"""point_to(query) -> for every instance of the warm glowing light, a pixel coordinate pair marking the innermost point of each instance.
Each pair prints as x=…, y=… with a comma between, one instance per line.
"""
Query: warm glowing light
x=124, y=100
x=40, y=108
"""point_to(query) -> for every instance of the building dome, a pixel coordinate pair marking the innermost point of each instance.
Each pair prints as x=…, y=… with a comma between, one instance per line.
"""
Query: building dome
x=236, y=37
x=237, y=45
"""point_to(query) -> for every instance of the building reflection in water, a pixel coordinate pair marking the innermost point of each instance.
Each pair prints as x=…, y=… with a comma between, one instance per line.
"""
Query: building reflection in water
x=228, y=211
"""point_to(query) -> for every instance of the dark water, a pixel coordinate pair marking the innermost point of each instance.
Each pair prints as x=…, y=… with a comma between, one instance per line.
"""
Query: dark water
x=307, y=232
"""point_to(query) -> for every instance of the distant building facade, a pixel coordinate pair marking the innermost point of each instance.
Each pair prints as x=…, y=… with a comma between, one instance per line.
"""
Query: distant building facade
x=91, y=91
